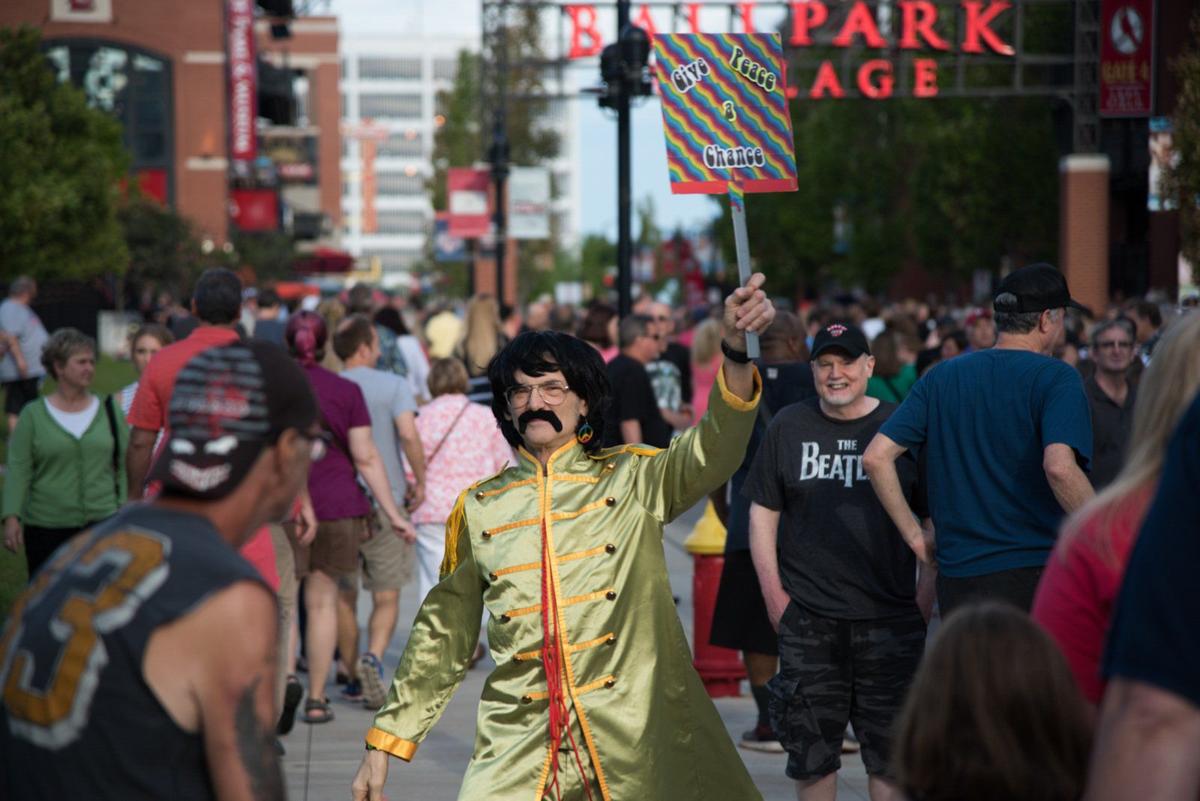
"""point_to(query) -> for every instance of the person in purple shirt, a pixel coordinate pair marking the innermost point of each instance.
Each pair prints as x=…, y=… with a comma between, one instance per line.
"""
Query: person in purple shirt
x=341, y=506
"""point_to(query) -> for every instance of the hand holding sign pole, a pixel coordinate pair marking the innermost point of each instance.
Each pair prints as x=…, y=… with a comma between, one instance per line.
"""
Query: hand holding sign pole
x=726, y=121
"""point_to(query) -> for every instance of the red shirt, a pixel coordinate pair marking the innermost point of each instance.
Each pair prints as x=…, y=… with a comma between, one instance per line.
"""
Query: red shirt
x=1074, y=601
x=149, y=412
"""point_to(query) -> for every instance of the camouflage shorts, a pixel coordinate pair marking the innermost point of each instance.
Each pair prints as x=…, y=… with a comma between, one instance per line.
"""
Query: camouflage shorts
x=836, y=671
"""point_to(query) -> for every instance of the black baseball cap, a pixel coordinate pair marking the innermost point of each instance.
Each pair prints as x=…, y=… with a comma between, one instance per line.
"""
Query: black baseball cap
x=842, y=336
x=1034, y=288
x=228, y=404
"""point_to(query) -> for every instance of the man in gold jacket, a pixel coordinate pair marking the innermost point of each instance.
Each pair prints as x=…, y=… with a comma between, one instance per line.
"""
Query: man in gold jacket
x=594, y=695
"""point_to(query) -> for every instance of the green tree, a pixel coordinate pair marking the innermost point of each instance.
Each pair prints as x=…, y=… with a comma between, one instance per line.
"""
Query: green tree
x=465, y=135
x=269, y=253
x=61, y=164
x=163, y=249
x=951, y=186
x=1183, y=177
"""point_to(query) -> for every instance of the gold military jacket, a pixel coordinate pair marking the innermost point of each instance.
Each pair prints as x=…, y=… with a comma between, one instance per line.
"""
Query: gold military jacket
x=644, y=725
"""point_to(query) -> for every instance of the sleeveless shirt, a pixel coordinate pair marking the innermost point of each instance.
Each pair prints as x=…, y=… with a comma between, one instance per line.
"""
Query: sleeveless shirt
x=77, y=718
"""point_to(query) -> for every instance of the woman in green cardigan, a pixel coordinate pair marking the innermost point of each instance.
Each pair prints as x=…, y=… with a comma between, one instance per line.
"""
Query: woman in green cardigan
x=63, y=456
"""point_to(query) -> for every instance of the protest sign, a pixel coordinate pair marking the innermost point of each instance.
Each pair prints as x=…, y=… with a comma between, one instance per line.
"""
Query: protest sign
x=725, y=116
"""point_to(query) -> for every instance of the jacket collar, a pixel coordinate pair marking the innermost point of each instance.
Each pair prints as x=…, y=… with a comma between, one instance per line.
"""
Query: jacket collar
x=569, y=458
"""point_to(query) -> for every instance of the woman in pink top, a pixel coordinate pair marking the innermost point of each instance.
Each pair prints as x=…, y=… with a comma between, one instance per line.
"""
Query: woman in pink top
x=1075, y=598
x=706, y=361
x=463, y=445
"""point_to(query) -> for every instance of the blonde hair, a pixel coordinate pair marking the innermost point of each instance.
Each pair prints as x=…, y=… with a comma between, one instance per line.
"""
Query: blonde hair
x=447, y=376
x=481, y=334
x=1166, y=388
x=707, y=341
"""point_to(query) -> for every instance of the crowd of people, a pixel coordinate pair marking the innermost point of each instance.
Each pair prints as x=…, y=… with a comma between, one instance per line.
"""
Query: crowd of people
x=1004, y=468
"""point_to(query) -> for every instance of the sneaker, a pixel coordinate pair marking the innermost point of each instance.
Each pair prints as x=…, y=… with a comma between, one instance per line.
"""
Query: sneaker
x=352, y=691
x=374, y=688
x=762, y=738
x=850, y=742
x=291, y=699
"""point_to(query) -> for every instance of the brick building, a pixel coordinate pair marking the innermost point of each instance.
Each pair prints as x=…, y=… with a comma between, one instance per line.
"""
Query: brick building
x=163, y=69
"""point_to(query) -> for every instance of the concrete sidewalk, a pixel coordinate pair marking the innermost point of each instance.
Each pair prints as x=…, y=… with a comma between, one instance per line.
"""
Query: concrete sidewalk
x=321, y=760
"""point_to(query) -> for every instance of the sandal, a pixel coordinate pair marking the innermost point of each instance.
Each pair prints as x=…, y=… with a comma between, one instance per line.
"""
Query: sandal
x=291, y=699
x=316, y=710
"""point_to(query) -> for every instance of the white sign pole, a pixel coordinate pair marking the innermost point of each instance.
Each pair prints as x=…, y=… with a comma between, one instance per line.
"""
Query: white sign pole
x=742, y=243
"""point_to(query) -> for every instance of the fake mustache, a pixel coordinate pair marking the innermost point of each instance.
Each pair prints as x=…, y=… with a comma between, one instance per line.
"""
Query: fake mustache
x=538, y=414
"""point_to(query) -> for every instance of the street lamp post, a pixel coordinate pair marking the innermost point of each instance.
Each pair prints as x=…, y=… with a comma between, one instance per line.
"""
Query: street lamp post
x=498, y=153
x=623, y=70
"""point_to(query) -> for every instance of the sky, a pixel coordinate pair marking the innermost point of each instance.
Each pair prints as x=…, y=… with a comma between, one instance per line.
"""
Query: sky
x=597, y=127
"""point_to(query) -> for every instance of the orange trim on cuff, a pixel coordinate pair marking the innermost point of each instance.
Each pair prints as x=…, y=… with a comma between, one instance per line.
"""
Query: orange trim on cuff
x=396, y=746
x=733, y=401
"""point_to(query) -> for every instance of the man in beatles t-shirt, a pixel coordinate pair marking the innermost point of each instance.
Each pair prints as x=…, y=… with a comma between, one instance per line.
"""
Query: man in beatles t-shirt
x=838, y=580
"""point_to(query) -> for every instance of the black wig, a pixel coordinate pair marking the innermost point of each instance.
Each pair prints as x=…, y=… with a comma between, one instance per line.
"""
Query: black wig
x=536, y=353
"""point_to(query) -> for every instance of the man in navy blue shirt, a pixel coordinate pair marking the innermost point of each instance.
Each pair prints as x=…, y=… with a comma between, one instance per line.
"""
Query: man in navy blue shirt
x=1007, y=436
x=1148, y=740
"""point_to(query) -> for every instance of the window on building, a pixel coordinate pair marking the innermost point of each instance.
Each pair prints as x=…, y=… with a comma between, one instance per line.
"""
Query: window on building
x=398, y=183
x=401, y=145
x=445, y=69
x=394, y=259
x=389, y=106
x=379, y=68
x=130, y=85
x=400, y=222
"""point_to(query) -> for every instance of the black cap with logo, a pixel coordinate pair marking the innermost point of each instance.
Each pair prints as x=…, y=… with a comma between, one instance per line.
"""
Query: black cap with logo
x=1034, y=288
x=228, y=404
x=841, y=336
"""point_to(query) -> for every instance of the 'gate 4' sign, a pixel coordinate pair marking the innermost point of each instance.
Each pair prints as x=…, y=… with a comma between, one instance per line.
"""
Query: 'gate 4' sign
x=1126, y=58
x=725, y=112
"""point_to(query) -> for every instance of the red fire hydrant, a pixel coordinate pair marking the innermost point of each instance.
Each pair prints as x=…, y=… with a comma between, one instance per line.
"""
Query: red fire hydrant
x=720, y=669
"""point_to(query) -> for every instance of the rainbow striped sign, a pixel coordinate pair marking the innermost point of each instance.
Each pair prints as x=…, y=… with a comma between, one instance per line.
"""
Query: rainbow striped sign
x=725, y=112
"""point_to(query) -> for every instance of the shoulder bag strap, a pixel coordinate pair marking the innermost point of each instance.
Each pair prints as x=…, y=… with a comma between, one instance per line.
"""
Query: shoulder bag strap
x=116, y=445
x=446, y=436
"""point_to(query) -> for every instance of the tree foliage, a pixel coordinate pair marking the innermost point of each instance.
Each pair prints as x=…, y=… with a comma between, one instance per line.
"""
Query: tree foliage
x=1183, y=177
x=951, y=186
x=164, y=248
x=466, y=133
x=61, y=164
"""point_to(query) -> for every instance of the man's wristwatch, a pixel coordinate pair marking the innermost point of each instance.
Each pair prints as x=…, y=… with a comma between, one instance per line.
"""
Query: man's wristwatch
x=738, y=356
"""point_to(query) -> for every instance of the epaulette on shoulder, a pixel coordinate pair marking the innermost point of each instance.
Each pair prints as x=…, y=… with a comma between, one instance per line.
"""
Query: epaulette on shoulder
x=617, y=450
x=492, y=477
x=457, y=521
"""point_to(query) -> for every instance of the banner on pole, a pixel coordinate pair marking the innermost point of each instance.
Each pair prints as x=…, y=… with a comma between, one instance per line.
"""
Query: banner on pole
x=470, y=205
x=445, y=246
x=243, y=76
x=1126, y=58
x=529, y=203
x=725, y=112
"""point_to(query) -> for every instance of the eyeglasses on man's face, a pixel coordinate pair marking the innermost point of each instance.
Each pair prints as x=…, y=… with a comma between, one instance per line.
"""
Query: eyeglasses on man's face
x=1114, y=344
x=552, y=393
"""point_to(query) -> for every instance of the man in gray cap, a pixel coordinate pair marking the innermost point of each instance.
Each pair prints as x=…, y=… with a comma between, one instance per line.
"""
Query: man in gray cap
x=1007, y=438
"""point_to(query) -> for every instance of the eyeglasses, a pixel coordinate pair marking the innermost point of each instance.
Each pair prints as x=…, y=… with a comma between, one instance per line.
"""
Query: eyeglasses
x=1114, y=344
x=552, y=392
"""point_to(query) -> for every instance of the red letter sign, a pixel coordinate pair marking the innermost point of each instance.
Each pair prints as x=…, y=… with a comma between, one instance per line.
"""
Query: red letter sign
x=919, y=17
x=867, y=71
x=583, y=23
x=859, y=21
x=805, y=17
x=924, y=77
x=976, y=27
x=827, y=81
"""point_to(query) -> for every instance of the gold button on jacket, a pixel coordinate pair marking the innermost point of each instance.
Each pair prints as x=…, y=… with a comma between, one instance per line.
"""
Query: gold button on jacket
x=644, y=725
